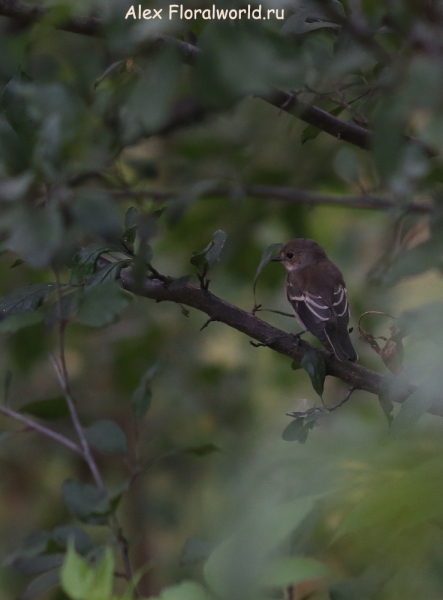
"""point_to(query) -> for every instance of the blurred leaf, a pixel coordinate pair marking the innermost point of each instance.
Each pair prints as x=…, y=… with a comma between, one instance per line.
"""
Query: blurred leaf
x=195, y=550
x=103, y=581
x=38, y=236
x=187, y=590
x=41, y=585
x=314, y=365
x=102, y=304
x=17, y=263
x=64, y=308
x=76, y=575
x=86, y=502
x=26, y=299
x=149, y=104
x=265, y=258
x=108, y=437
x=292, y=570
x=82, y=541
x=141, y=398
x=313, y=14
x=202, y=450
x=15, y=106
x=53, y=408
x=297, y=430
x=132, y=218
x=187, y=198
x=234, y=567
x=107, y=72
x=97, y=213
x=412, y=409
x=38, y=564
x=20, y=321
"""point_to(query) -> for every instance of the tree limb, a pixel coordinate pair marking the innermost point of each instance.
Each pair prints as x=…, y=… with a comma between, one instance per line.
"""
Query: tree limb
x=286, y=194
x=358, y=377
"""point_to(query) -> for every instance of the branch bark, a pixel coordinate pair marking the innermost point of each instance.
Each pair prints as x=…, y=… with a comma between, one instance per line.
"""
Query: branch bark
x=358, y=377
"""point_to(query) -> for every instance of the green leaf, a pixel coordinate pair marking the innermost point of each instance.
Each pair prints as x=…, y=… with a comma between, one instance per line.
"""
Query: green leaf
x=132, y=219
x=210, y=255
x=141, y=398
x=108, y=437
x=187, y=590
x=62, y=535
x=202, y=449
x=109, y=273
x=26, y=299
x=17, y=263
x=85, y=260
x=76, y=575
x=97, y=213
x=292, y=570
x=20, y=321
x=102, y=304
x=102, y=583
x=53, y=408
x=298, y=429
x=265, y=258
x=254, y=542
x=86, y=502
x=218, y=242
x=38, y=564
x=314, y=365
x=15, y=106
x=412, y=409
x=310, y=15
x=108, y=71
x=41, y=585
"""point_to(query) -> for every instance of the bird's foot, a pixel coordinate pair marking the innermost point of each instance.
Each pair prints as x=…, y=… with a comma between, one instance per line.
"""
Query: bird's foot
x=296, y=337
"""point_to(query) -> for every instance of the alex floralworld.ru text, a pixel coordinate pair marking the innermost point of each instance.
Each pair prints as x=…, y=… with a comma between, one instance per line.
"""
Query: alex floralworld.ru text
x=178, y=11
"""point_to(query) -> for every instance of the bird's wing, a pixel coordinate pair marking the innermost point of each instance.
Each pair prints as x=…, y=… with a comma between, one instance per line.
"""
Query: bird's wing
x=340, y=304
x=311, y=311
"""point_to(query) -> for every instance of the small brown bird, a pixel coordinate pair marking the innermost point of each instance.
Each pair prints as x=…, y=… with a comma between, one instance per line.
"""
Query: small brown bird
x=317, y=293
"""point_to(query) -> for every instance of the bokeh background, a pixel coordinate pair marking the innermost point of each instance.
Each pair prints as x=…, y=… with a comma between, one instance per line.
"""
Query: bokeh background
x=210, y=447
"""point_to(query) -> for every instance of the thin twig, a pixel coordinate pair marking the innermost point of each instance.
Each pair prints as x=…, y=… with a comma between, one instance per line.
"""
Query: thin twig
x=49, y=433
x=62, y=375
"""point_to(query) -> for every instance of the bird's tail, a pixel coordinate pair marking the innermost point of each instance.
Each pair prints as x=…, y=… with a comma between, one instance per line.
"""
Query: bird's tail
x=341, y=343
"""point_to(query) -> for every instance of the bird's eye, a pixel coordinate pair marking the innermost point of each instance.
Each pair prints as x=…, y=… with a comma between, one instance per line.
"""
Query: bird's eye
x=289, y=255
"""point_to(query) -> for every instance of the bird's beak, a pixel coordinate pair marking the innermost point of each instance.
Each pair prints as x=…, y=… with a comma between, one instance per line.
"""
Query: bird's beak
x=276, y=259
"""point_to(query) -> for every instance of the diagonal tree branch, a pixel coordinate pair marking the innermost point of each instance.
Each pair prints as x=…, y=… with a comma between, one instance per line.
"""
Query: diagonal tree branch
x=358, y=377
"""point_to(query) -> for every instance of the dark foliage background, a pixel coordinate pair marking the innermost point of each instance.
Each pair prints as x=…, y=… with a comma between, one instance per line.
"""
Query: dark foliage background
x=142, y=142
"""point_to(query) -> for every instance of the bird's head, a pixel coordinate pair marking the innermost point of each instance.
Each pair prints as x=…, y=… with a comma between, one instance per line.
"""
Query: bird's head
x=299, y=253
